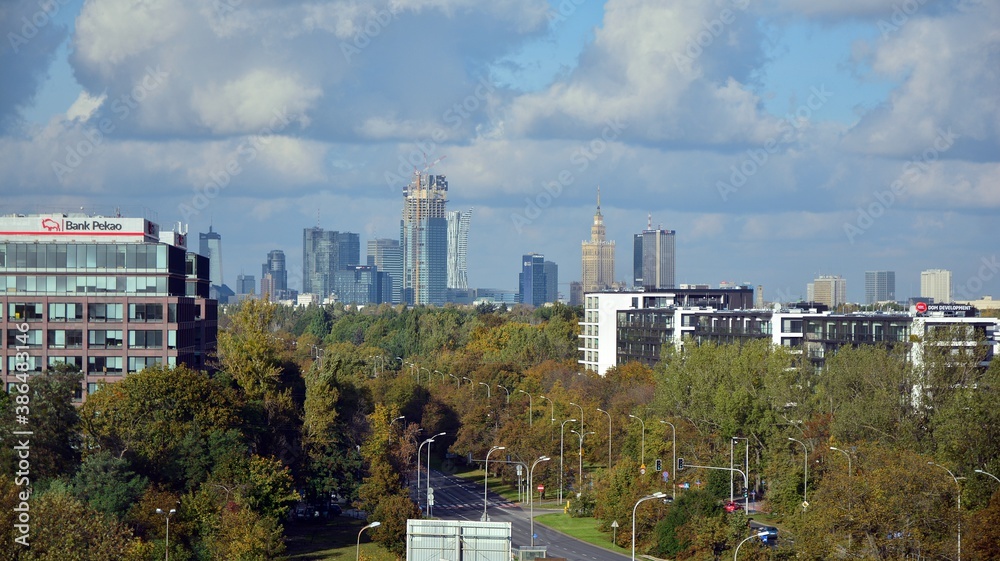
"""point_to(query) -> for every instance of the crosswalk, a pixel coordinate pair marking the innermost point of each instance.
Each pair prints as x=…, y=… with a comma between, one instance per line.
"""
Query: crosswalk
x=460, y=506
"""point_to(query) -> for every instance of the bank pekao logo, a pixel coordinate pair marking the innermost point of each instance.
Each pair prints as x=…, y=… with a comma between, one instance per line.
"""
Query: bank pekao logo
x=51, y=225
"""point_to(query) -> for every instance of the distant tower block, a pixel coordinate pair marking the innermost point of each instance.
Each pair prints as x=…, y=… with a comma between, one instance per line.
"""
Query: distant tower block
x=759, y=301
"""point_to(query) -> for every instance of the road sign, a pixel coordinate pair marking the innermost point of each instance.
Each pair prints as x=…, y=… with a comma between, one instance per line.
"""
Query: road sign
x=614, y=524
x=642, y=469
x=519, y=470
x=541, y=488
x=666, y=476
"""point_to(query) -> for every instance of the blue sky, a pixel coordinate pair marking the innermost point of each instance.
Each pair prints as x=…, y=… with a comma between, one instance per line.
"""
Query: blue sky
x=782, y=140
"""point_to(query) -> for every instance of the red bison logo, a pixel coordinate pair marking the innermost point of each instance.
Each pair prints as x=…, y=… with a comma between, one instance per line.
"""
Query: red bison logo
x=51, y=225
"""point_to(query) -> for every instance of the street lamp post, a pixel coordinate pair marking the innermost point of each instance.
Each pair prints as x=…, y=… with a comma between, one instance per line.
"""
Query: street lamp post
x=441, y=373
x=746, y=539
x=844, y=452
x=609, y=435
x=579, y=474
x=486, y=476
x=959, y=506
x=166, y=545
x=488, y=394
x=673, y=456
x=357, y=556
x=746, y=480
x=530, y=406
x=430, y=508
x=419, y=451
x=732, y=441
x=506, y=391
x=656, y=495
x=428, y=374
x=531, y=500
x=989, y=474
x=562, y=426
x=552, y=409
x=458, y=381
x=581, y=414
x=642, y=456
x=805, y=471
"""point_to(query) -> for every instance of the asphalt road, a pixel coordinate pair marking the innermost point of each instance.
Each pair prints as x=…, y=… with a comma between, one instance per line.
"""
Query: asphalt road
x=458, y=499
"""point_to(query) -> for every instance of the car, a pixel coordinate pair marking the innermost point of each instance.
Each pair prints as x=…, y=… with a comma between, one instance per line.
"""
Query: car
x=770, y=536
x=731, y=507
x=335, y=510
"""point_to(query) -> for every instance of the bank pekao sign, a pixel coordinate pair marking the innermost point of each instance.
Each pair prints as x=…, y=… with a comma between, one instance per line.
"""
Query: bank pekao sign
x=64, y=228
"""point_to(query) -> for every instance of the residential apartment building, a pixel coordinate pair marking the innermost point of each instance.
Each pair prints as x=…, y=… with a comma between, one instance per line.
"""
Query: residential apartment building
x=936, y=284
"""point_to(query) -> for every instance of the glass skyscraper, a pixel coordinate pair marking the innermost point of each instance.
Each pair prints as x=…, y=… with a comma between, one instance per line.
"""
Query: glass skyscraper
x=423, y=237
x=387, y=256
x=324, y=252
x=458, y=248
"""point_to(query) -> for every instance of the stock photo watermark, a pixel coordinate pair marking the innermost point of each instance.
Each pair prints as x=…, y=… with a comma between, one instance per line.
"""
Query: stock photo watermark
x=21, y=396
x=30, y=26
x=93, y=136
x=757, y=158
x=377, y=22
x=425, y=147
x=886, y=198
x=711, y=29
x=988, y=270
x=581, y=158
x=901, y=14
x=222, y=177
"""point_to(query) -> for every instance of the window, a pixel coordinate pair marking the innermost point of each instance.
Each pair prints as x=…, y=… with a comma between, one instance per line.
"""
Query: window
x=172, y=339
x=145, y=312
x=27, y=364
x=105, y=364
x=104, y=312
x=139, y=363
x=145, y=339
x=106, y=339
x=171, y=313
x=92, y=387
x=65, y=338
x=29, y=339
x=61, y=311
x=30, y=311
x=75, y=362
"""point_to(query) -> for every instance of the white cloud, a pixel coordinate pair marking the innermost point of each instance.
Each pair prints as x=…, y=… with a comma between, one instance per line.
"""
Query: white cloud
x=260, y=99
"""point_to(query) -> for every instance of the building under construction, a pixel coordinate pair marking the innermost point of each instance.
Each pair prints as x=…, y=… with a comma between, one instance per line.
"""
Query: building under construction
x=424, y=240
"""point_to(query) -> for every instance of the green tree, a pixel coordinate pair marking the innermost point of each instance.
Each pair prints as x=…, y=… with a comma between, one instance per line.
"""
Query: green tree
x=108, y=484
x=250, y=351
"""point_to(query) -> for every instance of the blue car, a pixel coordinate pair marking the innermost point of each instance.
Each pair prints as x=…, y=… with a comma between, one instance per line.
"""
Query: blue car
x=770, y=536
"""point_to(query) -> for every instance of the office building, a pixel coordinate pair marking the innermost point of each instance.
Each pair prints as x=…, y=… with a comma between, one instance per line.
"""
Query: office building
x=274, y=273
x=362, y=284
x=551, y=281
x=531, y=280
x=654, y=258
x=324, y=252
x=828, y=290
x=458, y=248
x=245, y=284
x=936, y=284
x=106, y=295
x=424, y=240
x=880, y=286
x=387, y=256
x=598, y=255
x=575, y=293
x=210, y=245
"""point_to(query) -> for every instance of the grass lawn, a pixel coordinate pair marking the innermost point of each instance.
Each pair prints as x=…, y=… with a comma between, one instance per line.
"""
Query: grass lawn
x=584, y=529
x=333, y=540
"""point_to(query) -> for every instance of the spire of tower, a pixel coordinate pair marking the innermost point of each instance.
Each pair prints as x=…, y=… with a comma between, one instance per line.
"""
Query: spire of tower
x=598, y=198
x=649, y=221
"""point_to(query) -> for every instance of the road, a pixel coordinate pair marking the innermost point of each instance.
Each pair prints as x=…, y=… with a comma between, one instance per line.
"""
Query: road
x=459, y=499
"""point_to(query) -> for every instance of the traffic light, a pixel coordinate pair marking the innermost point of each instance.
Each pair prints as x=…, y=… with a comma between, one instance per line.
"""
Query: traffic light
x=680, y=464
x=659, y=465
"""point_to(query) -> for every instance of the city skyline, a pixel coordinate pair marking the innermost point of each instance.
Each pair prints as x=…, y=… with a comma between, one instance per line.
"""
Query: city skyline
x=784, y=141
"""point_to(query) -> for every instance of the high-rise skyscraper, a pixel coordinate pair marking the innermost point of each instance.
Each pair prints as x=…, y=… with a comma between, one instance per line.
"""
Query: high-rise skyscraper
x=245, y=284
x=531, y=281
x=936, y=284
x=458, y=248
x=829, y=290
x=654, y=258
x=598, y=255
x=323, y=253
x=551, y=281
x=880, y=286
x=210, y=245
x=387, y=256
x=278, y=281
x=423, y=237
